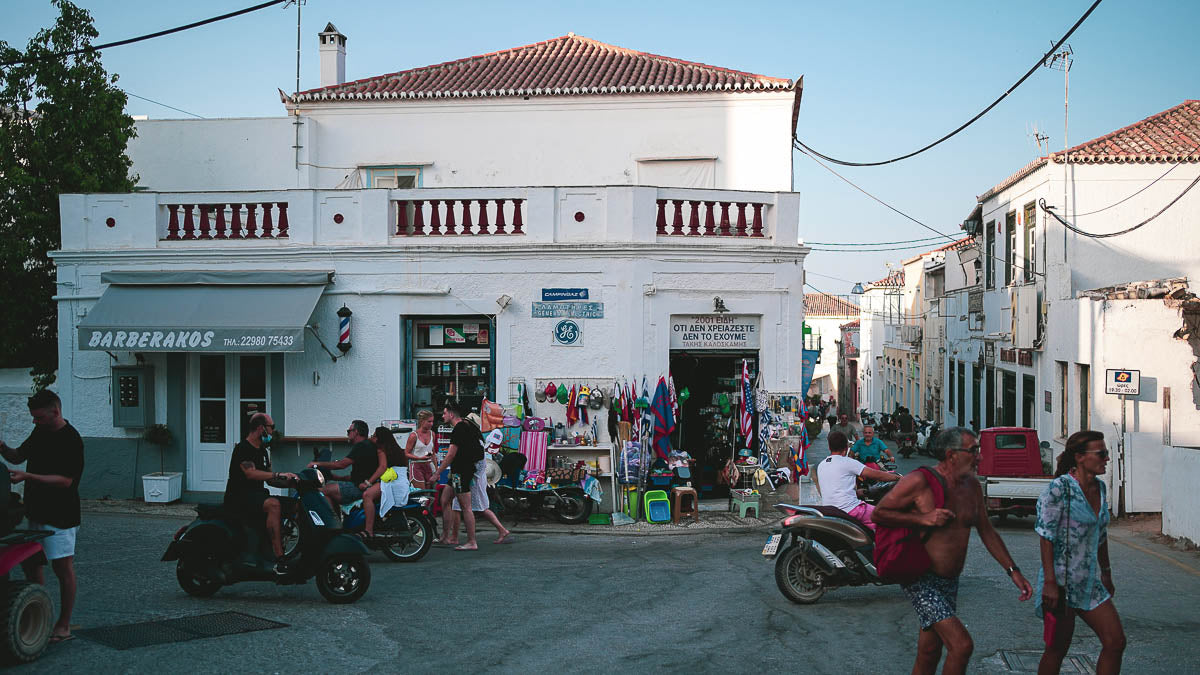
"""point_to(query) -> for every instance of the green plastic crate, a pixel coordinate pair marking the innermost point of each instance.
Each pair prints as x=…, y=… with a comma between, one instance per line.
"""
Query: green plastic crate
x=600, y=519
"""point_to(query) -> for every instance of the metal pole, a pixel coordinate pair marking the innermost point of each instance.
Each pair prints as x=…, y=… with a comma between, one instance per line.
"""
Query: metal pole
x=1121, y=462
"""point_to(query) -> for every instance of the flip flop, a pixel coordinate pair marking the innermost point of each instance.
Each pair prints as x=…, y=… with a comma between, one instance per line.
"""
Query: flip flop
x=55, y=639
x=506, y=539
x=463, y=548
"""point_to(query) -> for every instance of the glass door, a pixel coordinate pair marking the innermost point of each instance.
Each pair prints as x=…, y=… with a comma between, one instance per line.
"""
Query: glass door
x=223, y=392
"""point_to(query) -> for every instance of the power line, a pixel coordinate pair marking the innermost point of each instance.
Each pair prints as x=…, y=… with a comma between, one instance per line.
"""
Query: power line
x=873, y=243
x=148, y=36
x=861, y=311
x=828, y=276
x=150, y=100
x=1188, y=158
x=872, y=250
x=971, y=121
x=1076, y=230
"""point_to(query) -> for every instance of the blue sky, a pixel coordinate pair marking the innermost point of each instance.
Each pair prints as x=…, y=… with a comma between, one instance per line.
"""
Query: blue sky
x=881, y=78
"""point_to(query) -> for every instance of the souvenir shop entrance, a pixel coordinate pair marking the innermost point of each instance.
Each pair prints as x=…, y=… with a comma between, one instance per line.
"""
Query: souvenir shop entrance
x=708, y=420
x=449, y=357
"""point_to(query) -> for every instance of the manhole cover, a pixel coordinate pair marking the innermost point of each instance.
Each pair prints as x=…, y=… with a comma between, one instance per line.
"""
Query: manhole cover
x=182, y=629
x=1021, y=661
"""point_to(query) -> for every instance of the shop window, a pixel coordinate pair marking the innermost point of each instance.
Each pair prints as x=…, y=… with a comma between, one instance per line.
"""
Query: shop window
x=212, y=400
x=450, y=357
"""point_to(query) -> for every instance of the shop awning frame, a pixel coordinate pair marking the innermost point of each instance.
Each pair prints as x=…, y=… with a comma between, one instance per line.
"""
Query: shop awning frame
x=203, y=311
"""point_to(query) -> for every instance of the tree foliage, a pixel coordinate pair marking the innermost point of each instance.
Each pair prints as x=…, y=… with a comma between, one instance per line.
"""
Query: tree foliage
x=63, y=129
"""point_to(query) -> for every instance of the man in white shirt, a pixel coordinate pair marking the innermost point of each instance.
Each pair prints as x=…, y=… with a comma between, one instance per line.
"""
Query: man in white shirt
x=836, y=480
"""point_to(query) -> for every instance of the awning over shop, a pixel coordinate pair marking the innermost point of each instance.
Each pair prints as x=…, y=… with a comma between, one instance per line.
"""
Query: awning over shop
x=203, y=311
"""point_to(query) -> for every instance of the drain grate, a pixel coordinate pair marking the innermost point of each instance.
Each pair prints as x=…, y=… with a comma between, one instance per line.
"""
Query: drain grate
x=1020, y=661
x=147, y=633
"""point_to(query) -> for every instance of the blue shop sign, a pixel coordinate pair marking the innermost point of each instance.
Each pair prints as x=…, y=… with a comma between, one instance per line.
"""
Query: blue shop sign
x=568, y=310
x=553, y=294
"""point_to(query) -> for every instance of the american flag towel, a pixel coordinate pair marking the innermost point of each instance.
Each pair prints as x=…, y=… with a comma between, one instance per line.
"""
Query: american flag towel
x=533, y=446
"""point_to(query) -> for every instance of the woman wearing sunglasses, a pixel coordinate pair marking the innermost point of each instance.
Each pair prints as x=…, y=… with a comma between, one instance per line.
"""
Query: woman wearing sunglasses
x=1076, y=575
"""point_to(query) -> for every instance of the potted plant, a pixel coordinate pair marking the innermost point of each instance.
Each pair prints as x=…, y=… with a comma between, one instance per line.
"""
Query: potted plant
x=161, y=487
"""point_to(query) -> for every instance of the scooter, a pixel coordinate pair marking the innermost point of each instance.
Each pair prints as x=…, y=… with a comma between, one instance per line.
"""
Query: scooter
x=927, y=448
x=821, y=548
x=405, y=534
x=26, y=613
x=867, y=418
x=907, y=443
x=218, y=549
x=568, y=504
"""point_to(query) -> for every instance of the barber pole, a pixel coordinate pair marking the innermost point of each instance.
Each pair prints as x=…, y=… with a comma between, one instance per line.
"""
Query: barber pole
x=344, y=328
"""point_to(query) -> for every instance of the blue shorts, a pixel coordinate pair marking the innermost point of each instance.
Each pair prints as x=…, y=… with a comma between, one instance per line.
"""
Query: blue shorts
x=348, y=491
x=935, y=598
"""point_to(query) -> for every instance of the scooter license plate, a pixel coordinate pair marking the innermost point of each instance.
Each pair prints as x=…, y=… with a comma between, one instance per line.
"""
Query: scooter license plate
x=772, y=546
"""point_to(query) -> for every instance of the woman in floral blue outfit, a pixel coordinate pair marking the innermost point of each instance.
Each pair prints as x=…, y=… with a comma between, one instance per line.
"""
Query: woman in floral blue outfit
x=1076, y=576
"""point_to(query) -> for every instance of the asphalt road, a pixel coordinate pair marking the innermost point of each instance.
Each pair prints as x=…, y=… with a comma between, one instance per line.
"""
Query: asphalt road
x=704, y=603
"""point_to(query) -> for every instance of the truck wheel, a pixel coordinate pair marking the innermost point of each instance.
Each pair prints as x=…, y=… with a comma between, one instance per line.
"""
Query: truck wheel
x=798, y=577
x=343, y=579
x=28, y=619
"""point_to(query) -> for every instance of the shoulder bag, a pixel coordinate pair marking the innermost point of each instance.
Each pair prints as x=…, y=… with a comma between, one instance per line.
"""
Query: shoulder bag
x=900, y=555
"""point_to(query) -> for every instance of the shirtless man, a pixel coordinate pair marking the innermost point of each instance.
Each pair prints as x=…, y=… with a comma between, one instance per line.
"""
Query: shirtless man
x=934, y=595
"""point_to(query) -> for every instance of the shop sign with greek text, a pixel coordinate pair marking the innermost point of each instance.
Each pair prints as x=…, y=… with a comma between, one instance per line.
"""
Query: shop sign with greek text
x=715, y=331
x=568, y=310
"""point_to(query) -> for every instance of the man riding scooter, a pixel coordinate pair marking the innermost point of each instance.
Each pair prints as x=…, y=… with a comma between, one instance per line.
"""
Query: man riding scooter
x=246, y=492
x=869, y=449
x=836, y=478
x=906, y=431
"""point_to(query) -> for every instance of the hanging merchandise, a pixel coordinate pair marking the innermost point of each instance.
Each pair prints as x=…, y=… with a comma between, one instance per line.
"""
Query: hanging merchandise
x=585, y=395
x=528, y=409
x=561, y=396
x=664, y=419
x=596, y=402
x=684, y=396
x=723, y=403
x=572, y=411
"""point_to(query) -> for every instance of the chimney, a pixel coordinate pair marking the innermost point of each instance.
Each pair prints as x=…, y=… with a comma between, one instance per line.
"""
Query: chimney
x=333, y=56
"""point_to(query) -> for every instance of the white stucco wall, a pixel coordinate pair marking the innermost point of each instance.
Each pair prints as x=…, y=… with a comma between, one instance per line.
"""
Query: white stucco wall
x=578, y=140
x=1180, y=475
x=830, y=330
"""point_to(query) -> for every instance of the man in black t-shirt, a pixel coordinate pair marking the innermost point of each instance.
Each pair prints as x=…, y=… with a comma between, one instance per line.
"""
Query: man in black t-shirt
x=54, y=464
x=466, y=448
x=363, y=460
x=246, y=492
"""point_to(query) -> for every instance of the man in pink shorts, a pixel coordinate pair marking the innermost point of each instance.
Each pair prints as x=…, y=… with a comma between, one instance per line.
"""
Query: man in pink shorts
x=836, y=479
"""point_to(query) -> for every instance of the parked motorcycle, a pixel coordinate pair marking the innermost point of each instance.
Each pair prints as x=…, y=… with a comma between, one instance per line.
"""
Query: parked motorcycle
x=569, y=504
x=405, y=534
x=26, y=613
x=866, y=418
x=219, y=548
x=821, y=548
x=927, y=447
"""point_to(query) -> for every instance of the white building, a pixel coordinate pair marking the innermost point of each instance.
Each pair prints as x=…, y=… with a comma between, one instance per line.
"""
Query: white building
x=881, y=313
x=823, y=317
x=567, y=211
x=1056, y=309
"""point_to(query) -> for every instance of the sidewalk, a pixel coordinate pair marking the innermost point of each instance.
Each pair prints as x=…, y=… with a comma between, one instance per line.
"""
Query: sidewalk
x=714, y=518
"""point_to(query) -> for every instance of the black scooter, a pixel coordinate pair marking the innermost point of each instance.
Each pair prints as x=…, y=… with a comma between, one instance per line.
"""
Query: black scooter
x=567, y=503
x=820, y=548
x=219, y=548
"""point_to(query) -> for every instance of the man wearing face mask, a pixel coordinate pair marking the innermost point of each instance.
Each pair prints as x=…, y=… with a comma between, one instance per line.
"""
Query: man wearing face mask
x=246, y=492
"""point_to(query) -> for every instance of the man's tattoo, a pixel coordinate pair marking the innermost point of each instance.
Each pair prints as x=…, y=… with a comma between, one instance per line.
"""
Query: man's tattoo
x=247, y=465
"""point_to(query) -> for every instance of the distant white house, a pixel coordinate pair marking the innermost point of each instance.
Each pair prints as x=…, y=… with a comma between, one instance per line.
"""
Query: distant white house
x=1059, y=308
x=823, y=318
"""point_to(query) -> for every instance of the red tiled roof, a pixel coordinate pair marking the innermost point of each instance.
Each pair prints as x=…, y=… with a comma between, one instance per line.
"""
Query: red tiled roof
x=853, y=324
x=565, y=66
x=1170, y=136
x=819, y=304
x=965, y=242
x=894, y=279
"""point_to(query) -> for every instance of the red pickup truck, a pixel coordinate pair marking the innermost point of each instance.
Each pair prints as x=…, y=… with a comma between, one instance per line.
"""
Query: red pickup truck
x=1012, y=470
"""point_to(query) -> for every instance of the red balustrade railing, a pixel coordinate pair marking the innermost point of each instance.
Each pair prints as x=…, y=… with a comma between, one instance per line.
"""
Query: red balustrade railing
x=226, y=221
x=448, y=217
x=685, y=219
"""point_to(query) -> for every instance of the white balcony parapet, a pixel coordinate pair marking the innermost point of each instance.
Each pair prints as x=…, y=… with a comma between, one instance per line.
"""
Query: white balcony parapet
x=398, y=218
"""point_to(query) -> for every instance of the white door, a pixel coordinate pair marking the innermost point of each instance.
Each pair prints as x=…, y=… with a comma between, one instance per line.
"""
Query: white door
x=223, y=392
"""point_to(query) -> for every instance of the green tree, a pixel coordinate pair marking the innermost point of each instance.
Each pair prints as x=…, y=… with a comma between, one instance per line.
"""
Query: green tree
x=63, y=129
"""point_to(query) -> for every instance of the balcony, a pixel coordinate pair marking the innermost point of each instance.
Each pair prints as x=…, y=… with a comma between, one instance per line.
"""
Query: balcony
x=429, y=216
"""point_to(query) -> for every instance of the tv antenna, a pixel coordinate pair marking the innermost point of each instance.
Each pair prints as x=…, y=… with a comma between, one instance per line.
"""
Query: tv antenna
x=1042, y=140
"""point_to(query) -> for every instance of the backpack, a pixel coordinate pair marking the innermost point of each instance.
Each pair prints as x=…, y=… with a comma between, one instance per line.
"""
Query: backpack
x=900, y=556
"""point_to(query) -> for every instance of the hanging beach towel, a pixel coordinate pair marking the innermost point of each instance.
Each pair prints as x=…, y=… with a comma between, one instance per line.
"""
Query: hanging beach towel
x=533, y=446
x=572, y=411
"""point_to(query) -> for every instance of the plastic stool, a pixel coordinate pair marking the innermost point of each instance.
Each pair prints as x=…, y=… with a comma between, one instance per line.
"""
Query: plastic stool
x=658, y=507
x=743, y=507
x=678, y=497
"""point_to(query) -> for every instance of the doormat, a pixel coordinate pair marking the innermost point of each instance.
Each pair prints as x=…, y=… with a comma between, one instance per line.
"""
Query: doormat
x=1021, y=661
x=147, y=633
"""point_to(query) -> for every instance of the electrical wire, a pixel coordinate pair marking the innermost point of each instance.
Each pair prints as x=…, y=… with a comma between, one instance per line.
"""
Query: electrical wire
x=1108, y=235
x=863, y=312
x=148, y=36
x=971, y=121
x=150, y=100
x=1188, y=158
x=873, y=243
